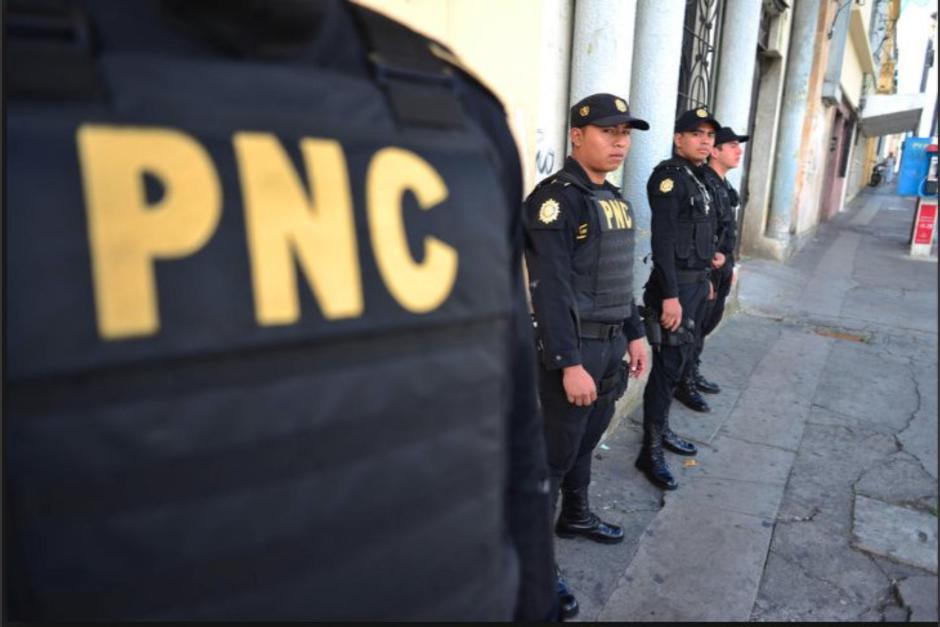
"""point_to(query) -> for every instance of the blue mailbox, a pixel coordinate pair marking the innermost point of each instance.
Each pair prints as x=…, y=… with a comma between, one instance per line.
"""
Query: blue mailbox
x=915, y=160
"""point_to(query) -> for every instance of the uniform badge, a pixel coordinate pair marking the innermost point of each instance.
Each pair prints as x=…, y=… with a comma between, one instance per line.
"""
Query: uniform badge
x=666, y=186
x=621, y=105
x=702, y=113
x=583, y=111
x=549, y=211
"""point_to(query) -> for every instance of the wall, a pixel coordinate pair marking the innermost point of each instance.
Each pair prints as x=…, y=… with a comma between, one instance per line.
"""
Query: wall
x=504, y=51
x=764, y=143
x=858, y=172
x=816, y=128
x=815, y=157
x=852, y=76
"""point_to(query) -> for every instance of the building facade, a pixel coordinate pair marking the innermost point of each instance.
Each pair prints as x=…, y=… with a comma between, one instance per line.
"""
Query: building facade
x=796, y=75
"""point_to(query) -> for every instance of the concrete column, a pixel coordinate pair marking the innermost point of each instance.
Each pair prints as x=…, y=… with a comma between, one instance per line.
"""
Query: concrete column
x=796, y=90
x=654, y=81
x=552, y=119
x=736, y=69
x=602, y=51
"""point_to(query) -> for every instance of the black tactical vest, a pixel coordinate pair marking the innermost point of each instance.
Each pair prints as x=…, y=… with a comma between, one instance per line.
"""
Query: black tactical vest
x=257, y=316
x=697, y=222
x=605, y=293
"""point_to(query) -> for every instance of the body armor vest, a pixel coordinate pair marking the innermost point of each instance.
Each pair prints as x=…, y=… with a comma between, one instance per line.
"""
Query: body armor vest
x=726, y=200
x=256, y=335
x=605, y=294
x=696, y=229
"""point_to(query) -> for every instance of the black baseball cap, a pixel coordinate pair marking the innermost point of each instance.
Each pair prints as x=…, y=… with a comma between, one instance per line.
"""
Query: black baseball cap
x=725, y=134
x=690, y=120
x=604, y=110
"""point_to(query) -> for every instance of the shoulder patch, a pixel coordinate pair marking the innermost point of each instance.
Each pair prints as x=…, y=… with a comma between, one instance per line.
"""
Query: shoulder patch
x=666, y=185
x=549, y=211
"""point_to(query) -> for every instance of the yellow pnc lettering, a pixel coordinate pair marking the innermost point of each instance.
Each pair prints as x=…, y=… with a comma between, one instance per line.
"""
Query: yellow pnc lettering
x=284, y=222
x=125, y=233
x=418, y=287
x=608, y=212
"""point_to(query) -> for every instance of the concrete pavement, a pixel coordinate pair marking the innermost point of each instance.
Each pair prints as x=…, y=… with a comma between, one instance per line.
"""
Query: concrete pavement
x=814, y=493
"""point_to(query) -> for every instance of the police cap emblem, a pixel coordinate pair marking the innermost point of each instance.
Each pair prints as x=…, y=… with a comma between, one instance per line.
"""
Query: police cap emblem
x=583, y=111
x=702, y=113
x=549, y=211
x=621, y=105
x=666, y=186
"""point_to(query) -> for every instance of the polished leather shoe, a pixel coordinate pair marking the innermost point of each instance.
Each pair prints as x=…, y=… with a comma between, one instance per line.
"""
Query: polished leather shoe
x=654, y=467
x=704, y=385
x=689, y=396
x=676, y=444
x=577, y=519
x=568, y=604
x=593, y=528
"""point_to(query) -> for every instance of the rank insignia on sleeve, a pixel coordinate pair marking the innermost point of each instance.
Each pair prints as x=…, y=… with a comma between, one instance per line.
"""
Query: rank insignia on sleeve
x=666, y=186
x=549, y=211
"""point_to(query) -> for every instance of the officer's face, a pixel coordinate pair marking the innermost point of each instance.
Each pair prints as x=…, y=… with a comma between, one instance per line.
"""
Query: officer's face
x=601, y=148
x=696, y=145
x=728, y=154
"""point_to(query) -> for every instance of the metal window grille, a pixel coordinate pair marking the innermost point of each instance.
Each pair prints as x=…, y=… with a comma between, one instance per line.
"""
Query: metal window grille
x=700, y=42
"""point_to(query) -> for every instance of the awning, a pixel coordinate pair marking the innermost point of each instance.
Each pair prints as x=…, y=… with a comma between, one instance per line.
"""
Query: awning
x=887, y=114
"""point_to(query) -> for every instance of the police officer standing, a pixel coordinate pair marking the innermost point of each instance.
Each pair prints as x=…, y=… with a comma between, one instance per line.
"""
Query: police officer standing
x=725, y=156
x=579, y=255
x=684, y=228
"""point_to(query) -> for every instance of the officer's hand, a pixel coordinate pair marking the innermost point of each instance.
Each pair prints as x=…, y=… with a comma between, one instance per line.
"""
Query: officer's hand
x=579, y=386
x=636, y=349
x=672, y=314
x=718, y=260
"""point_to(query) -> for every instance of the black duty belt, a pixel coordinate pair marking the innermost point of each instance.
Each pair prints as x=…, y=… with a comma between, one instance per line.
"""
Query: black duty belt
x=600, y=330
x=691, y=276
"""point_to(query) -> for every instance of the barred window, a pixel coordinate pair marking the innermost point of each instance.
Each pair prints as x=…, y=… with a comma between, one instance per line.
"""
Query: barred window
x=700, y=43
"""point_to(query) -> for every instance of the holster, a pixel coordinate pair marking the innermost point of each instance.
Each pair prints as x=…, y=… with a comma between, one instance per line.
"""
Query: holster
x=654, y=331
x=613, y=385
x=685, y=334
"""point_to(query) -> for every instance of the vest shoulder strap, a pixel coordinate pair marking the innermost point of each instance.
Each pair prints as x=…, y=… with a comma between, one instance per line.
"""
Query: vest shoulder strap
x=419, y=83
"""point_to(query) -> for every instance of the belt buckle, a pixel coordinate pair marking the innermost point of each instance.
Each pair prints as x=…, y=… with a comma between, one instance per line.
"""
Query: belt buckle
x=611, y=331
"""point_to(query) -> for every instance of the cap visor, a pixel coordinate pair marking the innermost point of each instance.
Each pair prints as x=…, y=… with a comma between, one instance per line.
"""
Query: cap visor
x=623, y=118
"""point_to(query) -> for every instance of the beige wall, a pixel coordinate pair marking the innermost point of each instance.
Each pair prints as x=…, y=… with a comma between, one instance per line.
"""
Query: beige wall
x=500, y=40
x=815, y=155
x=852, y=75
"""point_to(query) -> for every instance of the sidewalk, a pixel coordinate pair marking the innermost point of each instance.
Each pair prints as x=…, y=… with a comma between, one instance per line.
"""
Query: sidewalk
x=814, y=493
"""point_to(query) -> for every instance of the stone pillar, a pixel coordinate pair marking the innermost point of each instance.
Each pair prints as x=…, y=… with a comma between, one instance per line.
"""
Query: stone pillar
x=551, y=139
x=796, y=91
x=736, y=69
x=657, y=50
x=601, y=51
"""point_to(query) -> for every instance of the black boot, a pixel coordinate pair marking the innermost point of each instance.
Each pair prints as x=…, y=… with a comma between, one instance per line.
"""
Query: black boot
x=687, y=394
x=703, y=384
x=567, y=603
x=652, y=462
x=577, y=519
x=676, y=444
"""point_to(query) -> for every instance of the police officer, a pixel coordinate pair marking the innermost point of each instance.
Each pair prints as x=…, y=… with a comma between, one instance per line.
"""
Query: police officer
x=725, y=156
x=684, y=228
x=579, y=255
x=269, y=355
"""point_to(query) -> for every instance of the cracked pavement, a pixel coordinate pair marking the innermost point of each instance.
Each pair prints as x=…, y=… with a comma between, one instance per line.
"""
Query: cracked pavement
x=814, y=493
